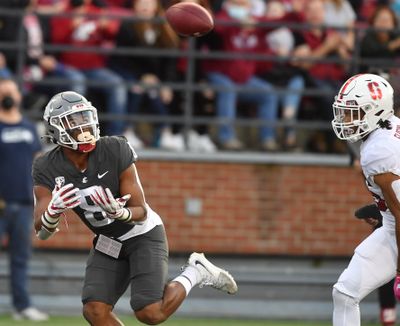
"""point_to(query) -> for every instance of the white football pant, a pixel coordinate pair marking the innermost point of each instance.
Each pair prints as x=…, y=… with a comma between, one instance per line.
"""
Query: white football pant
x=372, y=265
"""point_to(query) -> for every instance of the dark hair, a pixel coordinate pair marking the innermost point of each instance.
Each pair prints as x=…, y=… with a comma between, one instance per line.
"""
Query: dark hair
x=167, y=38
x=377, y=12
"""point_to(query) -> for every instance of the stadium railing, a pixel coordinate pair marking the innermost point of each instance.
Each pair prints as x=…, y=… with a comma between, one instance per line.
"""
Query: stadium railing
x=189, y=86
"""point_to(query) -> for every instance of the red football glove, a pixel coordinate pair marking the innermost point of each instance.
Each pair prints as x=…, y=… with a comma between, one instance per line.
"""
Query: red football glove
x=396, y=287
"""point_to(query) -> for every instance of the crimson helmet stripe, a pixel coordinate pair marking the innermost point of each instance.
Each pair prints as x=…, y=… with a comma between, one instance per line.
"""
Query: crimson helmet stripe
x=346, y=84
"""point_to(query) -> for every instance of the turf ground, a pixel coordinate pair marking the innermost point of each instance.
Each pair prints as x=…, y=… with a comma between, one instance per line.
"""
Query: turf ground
x=78, y=321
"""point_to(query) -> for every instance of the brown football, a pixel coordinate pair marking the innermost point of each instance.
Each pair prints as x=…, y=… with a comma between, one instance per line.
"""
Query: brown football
x=189, y=19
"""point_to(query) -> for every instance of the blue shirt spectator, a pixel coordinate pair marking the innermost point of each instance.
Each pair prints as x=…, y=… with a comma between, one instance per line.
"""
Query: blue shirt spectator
x=19, y=144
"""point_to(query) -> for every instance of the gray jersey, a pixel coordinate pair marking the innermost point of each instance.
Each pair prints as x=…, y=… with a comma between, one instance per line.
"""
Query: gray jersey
x=108, y=160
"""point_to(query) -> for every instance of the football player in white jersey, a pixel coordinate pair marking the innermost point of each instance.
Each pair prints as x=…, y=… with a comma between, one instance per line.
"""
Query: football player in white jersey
x=363, y=110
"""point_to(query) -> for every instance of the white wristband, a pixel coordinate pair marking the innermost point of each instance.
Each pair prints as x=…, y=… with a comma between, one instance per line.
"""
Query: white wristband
x=126, y=215
x=48, y=221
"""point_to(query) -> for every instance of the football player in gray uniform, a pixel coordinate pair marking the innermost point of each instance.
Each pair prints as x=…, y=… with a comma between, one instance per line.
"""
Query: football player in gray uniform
x=96, y=177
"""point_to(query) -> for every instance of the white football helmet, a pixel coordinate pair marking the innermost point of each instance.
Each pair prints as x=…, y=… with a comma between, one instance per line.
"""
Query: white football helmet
x=362, y=103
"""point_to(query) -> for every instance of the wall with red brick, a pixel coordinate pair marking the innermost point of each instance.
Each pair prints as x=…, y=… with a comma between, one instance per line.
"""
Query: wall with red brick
x=248, y=209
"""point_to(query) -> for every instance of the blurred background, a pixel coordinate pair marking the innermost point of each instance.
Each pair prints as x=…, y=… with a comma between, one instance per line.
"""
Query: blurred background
x=233, y=133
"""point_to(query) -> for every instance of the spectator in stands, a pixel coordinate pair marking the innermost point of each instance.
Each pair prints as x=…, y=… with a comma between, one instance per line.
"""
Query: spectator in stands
x=258, y=8
x=316, y=44
x=8, y=25
x=117, y=3
x=279, y=42
x=340, y=14
x=149, y=71
x=89, y=28
x=19, y=143
x=46, y=9
x=54, y=7
x=383, y=43
x=366, y=8
x=40, y=65
x=228, y=73
x=51, y=7
x=198, y=137
x=36, y=64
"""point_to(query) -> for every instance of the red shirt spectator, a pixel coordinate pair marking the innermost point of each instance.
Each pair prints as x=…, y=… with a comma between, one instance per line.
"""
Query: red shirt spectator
x=331, y=71
x=318, y=43
x=116, y=3
x=235, y=39
x=82, y=31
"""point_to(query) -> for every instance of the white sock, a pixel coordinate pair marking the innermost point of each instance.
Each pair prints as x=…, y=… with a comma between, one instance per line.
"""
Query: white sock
x=189, y=278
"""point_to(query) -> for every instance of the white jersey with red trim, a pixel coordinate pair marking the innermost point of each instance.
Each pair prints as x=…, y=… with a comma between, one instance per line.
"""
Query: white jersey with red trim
x=380, y=153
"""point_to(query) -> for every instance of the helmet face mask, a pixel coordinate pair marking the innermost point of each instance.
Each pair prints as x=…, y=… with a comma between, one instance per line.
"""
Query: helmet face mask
x=350, y=123
x=363, y=102
x=72, y=122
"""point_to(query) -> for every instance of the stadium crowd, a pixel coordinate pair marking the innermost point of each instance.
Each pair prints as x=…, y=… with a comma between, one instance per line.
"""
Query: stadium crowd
x=285, y=60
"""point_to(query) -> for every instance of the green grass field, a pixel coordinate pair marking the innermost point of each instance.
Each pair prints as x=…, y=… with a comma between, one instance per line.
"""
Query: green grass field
x=79, y=321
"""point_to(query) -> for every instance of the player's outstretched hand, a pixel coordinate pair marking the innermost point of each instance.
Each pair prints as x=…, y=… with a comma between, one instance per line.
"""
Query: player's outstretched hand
x=62, y=199
x=114, y=207
x=396, y=287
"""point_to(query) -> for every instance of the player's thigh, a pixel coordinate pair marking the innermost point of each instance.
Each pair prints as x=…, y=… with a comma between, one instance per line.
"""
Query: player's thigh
x=106, y=278
x=372, y=265
x=149, y=268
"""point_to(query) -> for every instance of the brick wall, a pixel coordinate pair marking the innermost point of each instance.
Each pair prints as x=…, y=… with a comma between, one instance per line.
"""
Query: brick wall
x=248, y=208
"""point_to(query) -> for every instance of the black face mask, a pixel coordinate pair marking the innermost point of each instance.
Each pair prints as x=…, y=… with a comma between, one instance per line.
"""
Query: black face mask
x=7, y=102
x=76, y=3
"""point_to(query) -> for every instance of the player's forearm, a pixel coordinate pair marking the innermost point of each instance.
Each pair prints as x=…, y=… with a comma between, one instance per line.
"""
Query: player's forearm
x=37, y=213
x=45, y=225
x=139, y=214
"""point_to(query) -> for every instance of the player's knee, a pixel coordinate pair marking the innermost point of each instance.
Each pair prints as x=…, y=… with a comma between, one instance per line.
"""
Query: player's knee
x=342, y=299
x=150, y=315
x=95, y=311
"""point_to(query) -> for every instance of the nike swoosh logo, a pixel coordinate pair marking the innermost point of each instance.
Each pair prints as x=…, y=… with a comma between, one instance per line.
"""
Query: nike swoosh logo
x=101, y=175
x=199, y=263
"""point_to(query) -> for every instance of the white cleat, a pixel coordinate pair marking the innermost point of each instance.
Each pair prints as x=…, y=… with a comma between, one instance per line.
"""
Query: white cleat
x=212, y=275
x=30, y=313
